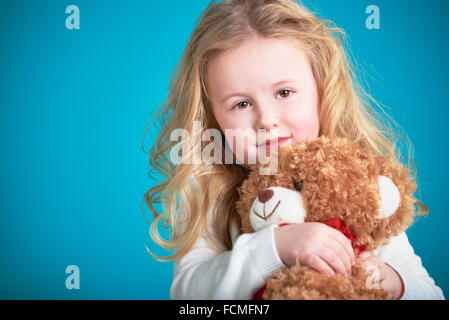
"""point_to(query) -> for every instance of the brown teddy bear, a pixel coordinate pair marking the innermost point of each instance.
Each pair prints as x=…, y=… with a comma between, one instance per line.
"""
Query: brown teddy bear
x=367, y=197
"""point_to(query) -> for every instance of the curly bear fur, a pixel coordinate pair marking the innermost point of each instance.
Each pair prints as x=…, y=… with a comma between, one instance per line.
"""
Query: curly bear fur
x=339, y=180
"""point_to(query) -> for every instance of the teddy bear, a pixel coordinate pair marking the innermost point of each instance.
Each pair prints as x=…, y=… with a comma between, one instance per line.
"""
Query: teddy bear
x=368, y=197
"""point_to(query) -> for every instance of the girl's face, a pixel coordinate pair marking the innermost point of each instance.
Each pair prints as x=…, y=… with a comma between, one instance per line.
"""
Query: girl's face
x=267, y=84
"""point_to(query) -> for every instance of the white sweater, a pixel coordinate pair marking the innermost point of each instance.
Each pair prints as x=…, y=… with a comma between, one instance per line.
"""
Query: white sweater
x=239, y=273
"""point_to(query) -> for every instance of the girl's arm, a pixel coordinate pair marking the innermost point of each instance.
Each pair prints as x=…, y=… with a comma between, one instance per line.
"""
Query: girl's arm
x=237, y=274
x=418, y=284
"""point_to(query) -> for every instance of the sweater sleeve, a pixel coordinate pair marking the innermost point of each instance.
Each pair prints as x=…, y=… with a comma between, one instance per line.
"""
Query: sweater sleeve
x=204, y=273
x=418, y=285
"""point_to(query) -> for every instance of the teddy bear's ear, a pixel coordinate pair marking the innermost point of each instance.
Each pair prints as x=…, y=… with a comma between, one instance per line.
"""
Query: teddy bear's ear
x=390, y=197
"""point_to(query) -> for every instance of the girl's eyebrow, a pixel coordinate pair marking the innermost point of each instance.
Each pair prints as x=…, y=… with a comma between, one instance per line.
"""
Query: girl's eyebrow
x=242, y=94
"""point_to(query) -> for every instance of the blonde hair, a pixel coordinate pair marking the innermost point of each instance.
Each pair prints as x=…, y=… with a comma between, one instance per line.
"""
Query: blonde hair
x=344, y=111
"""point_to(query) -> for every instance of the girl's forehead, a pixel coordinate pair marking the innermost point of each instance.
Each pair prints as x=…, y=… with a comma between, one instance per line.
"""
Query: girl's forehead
x=259, y=50
x=257, y=62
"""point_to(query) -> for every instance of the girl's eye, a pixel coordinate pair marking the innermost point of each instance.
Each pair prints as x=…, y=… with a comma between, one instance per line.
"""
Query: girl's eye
x=285, y=93
x=241, y=105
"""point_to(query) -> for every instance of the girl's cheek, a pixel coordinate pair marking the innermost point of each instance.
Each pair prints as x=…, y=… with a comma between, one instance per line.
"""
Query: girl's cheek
x=244, y=149
x=303, y=121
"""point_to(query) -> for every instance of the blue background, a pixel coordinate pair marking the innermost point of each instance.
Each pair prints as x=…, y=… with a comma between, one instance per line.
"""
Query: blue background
x=74, y=108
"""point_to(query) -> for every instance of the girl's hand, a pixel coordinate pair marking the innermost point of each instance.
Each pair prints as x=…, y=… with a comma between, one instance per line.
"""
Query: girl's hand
x=315, y=245
x=383, y=274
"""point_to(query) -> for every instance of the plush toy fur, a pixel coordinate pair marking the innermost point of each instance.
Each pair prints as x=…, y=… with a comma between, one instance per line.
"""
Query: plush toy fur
x=371, y=194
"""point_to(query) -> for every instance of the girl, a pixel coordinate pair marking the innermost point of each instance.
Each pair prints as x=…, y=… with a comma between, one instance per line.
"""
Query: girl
x=262, y=65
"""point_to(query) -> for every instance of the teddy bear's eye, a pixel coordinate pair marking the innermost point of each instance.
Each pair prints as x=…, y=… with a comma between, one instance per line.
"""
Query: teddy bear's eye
x=298, y=185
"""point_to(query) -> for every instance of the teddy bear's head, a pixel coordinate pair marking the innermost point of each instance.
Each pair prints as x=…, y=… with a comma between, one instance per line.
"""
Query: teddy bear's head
x=324, y=178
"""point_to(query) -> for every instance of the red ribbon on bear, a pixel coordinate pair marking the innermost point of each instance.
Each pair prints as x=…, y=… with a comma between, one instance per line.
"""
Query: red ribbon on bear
x=335, y=223
x=340, y=225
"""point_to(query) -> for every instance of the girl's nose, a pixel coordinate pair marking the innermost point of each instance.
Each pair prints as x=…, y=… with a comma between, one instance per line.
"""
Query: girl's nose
x=268, y=118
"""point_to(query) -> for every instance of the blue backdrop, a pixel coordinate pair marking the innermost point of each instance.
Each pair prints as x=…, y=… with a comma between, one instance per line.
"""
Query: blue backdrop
x=74, y=107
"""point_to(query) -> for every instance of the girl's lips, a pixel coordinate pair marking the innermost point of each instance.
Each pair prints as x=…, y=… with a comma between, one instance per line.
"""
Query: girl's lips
x=279, y=143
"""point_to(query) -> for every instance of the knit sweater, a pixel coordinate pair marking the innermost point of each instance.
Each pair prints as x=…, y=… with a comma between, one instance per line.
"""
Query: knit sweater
x=204, y=273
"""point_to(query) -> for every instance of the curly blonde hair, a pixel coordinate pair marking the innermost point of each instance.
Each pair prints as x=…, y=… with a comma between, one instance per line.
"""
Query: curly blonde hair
x=345, y=110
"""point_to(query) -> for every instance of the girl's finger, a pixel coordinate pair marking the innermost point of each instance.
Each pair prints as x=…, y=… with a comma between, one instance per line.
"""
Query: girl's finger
x=319, y=265
x=332, y=260
x=344, y=242
x=365, y=255
x=368, y=260
x=341, y=253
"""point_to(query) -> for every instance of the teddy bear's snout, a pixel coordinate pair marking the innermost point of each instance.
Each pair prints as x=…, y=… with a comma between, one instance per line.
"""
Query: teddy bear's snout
x=276, y=205
x=265, y=195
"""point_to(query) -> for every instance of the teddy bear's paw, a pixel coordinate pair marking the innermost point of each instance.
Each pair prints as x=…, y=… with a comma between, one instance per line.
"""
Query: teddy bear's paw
x=303, y=283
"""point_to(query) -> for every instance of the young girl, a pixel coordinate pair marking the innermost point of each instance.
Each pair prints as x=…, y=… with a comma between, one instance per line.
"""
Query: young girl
x=262, y=65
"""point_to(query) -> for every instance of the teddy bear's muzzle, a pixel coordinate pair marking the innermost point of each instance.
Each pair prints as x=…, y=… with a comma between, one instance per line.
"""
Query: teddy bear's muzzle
x=276, y=205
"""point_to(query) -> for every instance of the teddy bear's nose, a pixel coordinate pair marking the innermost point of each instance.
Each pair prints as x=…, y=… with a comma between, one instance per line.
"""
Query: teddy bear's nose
x=265, y=195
